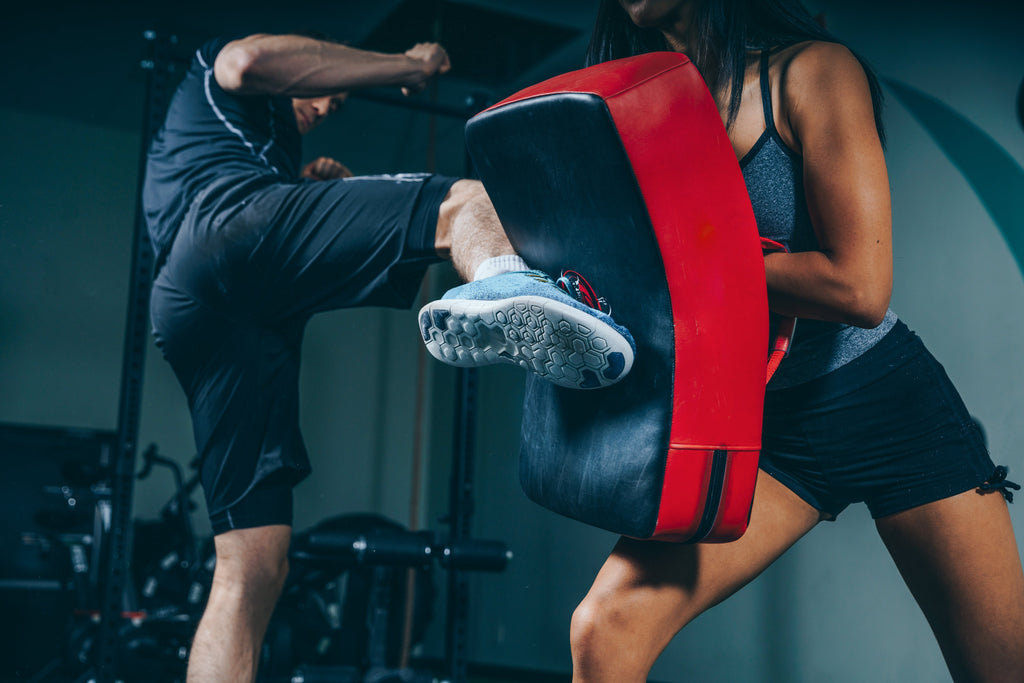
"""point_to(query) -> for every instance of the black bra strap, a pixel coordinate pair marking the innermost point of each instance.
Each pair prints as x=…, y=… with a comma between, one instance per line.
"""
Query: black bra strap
x=766, y=93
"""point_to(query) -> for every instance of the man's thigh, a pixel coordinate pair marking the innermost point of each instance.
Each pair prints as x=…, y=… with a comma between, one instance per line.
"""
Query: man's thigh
x=362, y=241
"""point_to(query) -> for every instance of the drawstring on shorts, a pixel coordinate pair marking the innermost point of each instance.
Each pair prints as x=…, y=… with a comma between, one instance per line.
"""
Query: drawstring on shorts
x=998, y=482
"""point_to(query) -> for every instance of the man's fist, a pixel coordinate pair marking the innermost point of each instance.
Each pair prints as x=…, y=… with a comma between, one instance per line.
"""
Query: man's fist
x=325, y=168
x=433, y=62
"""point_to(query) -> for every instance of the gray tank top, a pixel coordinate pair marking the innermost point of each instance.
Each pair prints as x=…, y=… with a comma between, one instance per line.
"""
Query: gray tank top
x=774, y=177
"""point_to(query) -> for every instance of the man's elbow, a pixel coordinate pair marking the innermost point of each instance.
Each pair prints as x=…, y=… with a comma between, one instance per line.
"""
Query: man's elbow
x=234, y=66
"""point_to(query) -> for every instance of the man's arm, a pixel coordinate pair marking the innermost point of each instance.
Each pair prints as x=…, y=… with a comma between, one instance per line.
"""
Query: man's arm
x=297, y=66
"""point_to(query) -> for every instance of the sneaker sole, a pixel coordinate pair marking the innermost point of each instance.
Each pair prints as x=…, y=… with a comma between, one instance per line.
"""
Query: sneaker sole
x=555, y=341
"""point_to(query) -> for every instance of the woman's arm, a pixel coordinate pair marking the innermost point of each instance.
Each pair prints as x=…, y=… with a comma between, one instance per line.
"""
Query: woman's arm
x=828, y=115
x=297, y=66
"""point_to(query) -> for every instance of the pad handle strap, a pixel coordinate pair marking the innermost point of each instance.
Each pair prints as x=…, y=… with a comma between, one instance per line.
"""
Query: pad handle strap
x=787, y=324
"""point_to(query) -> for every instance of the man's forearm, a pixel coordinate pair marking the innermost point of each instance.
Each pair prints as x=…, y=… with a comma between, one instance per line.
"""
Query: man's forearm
x=297, y=66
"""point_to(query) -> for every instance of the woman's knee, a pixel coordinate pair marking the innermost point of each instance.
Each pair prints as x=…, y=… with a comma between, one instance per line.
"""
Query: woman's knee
x=600, y=625
x=610, y=643
x=585, y=627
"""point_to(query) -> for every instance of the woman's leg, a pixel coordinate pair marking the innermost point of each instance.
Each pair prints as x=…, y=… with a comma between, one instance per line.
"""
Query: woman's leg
x=647, y=591
x=960, y=560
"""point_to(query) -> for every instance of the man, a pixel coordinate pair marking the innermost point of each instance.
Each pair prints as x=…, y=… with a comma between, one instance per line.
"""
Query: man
x=249, y=246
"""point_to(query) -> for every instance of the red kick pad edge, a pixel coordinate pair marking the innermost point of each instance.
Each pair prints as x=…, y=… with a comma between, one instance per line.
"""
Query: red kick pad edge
x=604, y=80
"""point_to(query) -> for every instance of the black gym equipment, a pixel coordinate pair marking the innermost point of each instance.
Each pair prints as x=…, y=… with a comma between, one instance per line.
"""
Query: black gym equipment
x=54, y=500
x=339, y=618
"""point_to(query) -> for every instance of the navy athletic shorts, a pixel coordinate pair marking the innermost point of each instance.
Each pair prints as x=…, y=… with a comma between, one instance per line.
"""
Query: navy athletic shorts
x=252, y=261
x=888, y=429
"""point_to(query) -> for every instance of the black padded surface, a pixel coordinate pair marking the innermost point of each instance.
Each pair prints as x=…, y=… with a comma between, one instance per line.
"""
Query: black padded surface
x=565, y=191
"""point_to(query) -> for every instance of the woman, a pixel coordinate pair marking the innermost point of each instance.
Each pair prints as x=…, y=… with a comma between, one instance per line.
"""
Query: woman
x=860, y=411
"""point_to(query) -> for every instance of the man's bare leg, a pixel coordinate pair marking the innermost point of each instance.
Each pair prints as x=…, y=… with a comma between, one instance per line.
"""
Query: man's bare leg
x=252, y=565
x=468, y=229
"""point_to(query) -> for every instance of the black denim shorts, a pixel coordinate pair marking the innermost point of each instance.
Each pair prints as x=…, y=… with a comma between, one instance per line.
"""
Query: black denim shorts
x=888, y=429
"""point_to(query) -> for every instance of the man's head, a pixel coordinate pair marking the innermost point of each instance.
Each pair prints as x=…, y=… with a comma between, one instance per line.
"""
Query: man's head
x=310, y=112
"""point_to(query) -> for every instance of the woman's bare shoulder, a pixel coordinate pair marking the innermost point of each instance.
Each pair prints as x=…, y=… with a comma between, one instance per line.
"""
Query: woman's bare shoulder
x=817, y=66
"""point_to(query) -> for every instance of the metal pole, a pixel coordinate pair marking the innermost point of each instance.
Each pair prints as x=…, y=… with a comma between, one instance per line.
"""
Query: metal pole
x=416, y=103
x=460, y=515
x=114, y=556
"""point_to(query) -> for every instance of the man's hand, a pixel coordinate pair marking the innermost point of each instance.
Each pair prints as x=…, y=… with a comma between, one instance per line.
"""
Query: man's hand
x=325, y=168
x=433, y=61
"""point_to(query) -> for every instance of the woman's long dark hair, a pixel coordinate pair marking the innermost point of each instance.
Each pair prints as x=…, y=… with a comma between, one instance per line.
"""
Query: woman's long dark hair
x=727, y=30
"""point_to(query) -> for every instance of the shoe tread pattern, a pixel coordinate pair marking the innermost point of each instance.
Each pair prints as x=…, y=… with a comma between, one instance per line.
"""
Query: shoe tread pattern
x=553, y=340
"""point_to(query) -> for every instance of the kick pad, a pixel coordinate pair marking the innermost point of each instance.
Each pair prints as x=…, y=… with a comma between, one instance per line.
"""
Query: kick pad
x=624, y=173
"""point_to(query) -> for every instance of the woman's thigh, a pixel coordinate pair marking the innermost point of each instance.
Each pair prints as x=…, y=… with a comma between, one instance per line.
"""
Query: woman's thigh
x=959, y=557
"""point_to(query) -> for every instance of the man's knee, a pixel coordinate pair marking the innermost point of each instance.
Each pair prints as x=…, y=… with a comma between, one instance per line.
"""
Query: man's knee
x=465, y=198
x=463, y=191
x=252, y=563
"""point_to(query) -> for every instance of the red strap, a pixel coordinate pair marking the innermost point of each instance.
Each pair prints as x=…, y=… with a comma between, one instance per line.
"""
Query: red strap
x=784, y=334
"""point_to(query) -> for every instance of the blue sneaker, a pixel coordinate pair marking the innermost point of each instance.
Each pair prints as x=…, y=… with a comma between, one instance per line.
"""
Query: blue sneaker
x=525, y=319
